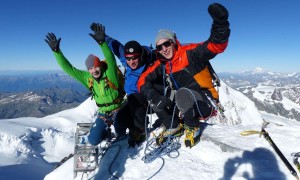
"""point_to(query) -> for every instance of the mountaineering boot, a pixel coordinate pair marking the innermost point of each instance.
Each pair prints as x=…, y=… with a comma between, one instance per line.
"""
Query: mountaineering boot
x=174, y=132
x=192, y=136
x=136, y=137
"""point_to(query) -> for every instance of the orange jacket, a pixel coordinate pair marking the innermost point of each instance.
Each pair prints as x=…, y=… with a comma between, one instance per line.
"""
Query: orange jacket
x=188, y=68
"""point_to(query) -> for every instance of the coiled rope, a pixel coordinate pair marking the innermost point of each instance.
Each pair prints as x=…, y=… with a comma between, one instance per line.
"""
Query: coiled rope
x=166, y=148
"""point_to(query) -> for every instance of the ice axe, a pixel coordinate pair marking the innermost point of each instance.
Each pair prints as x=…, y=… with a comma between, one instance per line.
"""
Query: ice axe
x=271, y=142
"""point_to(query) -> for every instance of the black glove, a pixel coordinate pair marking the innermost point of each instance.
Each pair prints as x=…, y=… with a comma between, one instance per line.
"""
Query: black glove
x=218, y=13
x=53, y=42
x=220, y=28
x=93, y=26
x=99, y=32
x=161, y=102
x=136, y=137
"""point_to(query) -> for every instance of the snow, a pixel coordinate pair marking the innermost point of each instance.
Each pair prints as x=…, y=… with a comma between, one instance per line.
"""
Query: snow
x=258, y=70
x=31, y=147
x=263, y=93
x=288, y=104
x=31, y=97
x=238, y=108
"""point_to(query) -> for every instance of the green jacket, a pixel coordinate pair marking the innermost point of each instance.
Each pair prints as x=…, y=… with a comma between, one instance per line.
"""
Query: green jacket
x=103, y=94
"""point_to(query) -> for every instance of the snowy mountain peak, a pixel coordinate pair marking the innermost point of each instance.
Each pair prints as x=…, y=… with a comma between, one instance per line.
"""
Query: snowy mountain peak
x=238, y=108
x=258, y=70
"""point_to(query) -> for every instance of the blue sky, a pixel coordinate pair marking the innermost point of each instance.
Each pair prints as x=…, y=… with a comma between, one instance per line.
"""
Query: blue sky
x=263, y=33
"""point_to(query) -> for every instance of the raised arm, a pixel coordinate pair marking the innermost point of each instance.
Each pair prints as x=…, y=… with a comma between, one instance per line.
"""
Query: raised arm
x=66, y=66
x=112, y=68
x=114, y=45
x=218, y=40
x=220, y=28
x=117, y=48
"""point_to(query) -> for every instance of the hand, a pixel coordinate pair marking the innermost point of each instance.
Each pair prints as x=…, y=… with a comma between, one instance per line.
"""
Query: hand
x=99, y=32
x=218, y=13
x=93, y=26
x=162, y=102
x=53, y=42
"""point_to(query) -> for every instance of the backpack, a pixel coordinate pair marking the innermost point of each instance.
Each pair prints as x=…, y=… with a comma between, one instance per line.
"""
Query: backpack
x=215, y=78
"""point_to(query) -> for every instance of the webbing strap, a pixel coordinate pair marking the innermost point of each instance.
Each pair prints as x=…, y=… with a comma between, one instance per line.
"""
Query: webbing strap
x=110, y=84
x=115, y=101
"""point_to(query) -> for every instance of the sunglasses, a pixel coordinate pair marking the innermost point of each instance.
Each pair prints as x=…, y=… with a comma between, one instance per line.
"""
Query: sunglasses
x=166, y=44
x=132, y=58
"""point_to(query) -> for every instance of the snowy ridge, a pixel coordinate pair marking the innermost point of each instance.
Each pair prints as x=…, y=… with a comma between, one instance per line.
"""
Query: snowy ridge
x=30, y=96
x=31, y=147
x=273, y=92
x=238, y=108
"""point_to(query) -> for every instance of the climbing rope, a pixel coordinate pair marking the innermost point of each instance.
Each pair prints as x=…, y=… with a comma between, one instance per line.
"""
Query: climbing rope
x=110, y=145
x=166, y=148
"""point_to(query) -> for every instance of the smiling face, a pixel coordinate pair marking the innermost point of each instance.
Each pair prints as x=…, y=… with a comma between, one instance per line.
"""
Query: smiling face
x=95, y=71
x=133, y=61
x=166, y=48
x=93, y=65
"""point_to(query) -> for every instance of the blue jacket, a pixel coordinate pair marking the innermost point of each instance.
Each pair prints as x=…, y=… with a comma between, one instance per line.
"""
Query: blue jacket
x=131, y=76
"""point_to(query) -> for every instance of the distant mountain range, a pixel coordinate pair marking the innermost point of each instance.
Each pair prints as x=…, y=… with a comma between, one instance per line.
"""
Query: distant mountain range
x=274, y=93
x=39, y=93
x=39, y=103
x=22, y=81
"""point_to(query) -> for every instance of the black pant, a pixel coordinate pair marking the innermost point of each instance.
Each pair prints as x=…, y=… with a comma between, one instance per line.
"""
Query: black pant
x=166, y=118
x=132, y=114
x=193, y=105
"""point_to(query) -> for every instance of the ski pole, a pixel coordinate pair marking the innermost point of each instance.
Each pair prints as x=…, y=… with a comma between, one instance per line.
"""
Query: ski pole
x=271, y=142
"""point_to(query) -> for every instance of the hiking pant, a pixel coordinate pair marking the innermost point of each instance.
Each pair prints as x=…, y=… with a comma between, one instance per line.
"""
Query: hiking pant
x=193, y=105
x=166, y=118
x=99, y=129
x=132, y=114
